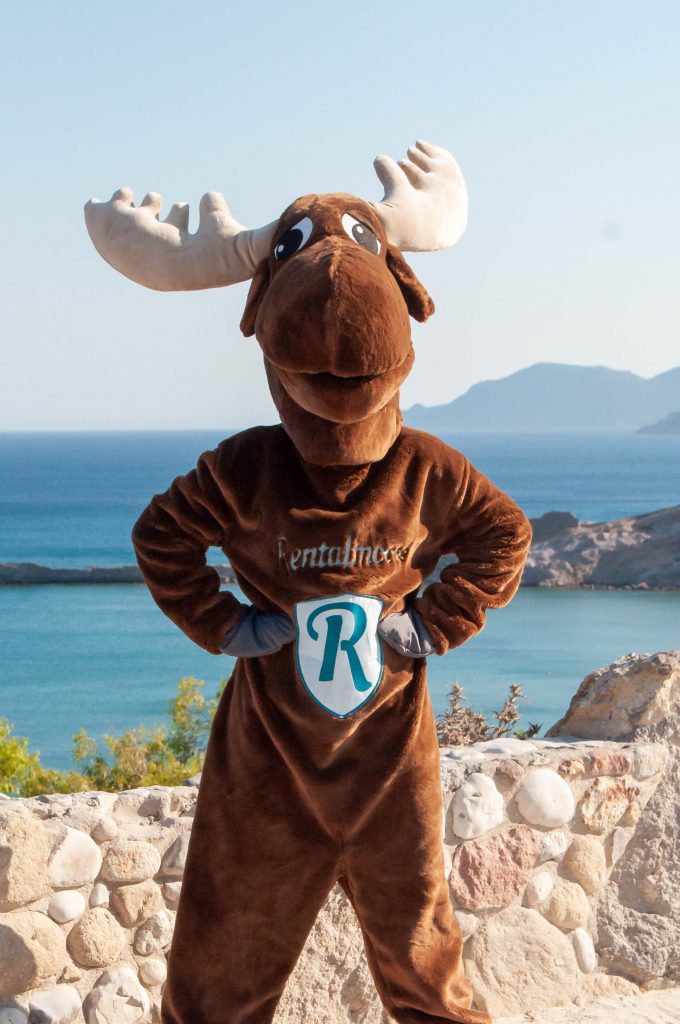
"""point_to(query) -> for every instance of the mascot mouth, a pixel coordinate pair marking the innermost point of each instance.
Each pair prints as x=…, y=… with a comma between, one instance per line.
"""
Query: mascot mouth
x=343, y=398
x=335, y=380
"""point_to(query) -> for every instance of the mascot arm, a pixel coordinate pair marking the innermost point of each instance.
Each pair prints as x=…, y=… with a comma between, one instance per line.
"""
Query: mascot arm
x=171, y=538
x=491, y=536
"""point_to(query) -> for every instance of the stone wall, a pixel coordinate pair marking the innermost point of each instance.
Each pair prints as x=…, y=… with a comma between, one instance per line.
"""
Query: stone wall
x=536, y=834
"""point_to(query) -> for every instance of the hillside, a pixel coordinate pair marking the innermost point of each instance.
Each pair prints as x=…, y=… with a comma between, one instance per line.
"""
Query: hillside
x=555, y=396
x=668, y=425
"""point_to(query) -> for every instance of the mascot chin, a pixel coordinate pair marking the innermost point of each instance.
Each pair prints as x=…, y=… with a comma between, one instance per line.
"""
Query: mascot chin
x=322, y=764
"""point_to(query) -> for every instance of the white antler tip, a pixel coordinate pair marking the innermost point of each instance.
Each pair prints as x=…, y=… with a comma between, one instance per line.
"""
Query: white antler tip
x=425, y=203
x=123, y=195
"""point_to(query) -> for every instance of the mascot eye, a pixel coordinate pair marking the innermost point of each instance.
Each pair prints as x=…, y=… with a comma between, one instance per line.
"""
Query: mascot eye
x=292, y=240
x=358, y=232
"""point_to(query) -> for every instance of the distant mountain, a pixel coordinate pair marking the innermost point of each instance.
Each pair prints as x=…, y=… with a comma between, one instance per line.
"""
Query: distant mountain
x=668, y=425
x=555, y=396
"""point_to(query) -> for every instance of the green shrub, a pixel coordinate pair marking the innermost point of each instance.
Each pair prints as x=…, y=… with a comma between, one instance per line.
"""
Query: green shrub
x=140, y=757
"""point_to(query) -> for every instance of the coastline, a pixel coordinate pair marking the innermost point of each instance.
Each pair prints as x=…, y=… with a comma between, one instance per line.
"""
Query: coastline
x=29, y=574
x=633, y=553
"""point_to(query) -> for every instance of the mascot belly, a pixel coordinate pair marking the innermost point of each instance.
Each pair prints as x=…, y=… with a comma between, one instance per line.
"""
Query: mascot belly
x=322, y=763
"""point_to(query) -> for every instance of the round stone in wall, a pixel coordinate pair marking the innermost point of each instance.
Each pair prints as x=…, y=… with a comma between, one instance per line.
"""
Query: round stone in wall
x=155, y=934
x=568, y=907
x=117, y=998
x=66, y=906
x=153, y=971
x=584, y=949
x=127, y=860
x=99, y=897
x=585, y=861
x=58, y=1005
x=175, y=858
x=476, y=807
x=24, y=849
x=551, y=846
x=104, y=830
x=32, y=949
x=96, y=940
x=133, y=904
x=76, y=860
x=517, y=961
x=545, y=798
x=538, y=888
x=492, y=871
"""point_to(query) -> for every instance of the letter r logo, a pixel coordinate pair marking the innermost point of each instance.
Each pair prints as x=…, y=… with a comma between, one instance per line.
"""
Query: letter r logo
x=339, y=654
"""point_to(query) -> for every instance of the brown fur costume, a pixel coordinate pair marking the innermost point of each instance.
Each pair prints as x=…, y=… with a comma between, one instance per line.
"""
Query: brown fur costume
x=340, y=499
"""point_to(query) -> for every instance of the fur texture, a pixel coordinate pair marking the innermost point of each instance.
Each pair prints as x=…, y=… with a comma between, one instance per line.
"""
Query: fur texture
x=339, y=499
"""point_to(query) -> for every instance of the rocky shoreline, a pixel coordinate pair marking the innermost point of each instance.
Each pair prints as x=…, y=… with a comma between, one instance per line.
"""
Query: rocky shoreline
x=636, y=553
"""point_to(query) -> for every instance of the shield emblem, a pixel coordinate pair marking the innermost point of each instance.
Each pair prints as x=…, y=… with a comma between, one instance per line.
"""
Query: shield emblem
x=339, y=654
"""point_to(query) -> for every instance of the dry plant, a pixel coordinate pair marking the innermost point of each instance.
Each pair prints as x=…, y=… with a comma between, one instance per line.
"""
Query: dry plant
x=460, y=726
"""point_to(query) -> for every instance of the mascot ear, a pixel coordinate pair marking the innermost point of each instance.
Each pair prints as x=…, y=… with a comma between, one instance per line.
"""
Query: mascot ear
x=258, y=287
x=419, y=303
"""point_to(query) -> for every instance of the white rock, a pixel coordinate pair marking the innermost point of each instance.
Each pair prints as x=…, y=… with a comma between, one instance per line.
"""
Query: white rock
x=538, y=888
x=66, y=906
x=174, y=860
x=153, y=971
x=12, y=1015
x=585, y=950
x=99, y=897
x=75, y=860
x=129, y=860
x=509, y=745
x=464, y=754
x=551, y=846
x=476, y=807
x=545, y=798
x=467, y=922
x=155, y=934
x=117, y=998
x=60, y=1005
x=171, y=891
x=98, y=800
x=105, y=829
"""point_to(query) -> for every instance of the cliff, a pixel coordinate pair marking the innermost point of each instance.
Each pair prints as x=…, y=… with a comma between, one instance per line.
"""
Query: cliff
x=639, y=551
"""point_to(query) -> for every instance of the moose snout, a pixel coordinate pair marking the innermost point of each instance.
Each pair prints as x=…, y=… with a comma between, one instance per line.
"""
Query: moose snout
x=334, y=309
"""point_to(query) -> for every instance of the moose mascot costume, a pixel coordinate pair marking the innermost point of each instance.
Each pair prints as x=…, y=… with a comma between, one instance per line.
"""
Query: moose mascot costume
x=322, y=764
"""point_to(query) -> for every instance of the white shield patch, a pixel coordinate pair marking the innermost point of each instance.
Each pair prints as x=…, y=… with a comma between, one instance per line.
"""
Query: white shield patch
x=339, y=654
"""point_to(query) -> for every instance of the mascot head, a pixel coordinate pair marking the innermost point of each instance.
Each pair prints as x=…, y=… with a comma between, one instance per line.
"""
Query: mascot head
x=331, y=294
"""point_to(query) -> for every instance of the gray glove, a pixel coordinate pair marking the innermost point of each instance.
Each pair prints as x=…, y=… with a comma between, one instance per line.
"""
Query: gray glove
x=258, y=633
x=405, y=631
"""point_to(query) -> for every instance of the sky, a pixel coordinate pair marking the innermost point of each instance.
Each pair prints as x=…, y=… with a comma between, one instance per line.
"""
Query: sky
x=562, y=114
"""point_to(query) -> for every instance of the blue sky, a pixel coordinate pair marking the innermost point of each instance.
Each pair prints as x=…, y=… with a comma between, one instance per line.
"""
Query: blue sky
x=562, y=115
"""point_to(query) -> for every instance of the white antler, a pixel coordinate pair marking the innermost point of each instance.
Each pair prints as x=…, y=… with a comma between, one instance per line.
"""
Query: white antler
x=425, y=202
x=161, y=254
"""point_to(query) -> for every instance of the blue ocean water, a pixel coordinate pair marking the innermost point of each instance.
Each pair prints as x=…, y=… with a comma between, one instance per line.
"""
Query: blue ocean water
x=70, y=499
x=105, y=658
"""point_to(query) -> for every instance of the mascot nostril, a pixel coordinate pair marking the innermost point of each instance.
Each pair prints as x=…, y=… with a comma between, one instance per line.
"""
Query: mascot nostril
x=322, y=764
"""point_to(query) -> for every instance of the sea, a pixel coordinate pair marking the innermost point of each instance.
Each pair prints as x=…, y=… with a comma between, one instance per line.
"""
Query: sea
x=104, y=658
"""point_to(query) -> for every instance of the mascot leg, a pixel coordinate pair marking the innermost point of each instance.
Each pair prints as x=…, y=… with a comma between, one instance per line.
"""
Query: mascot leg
x=393, y=873
x=257, y=873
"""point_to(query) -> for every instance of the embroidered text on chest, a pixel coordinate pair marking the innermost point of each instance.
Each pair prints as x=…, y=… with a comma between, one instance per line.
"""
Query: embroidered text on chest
x=351, y=553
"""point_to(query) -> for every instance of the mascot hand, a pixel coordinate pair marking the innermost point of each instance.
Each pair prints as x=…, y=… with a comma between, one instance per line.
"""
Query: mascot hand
x=405, y=631
x=258, y=633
